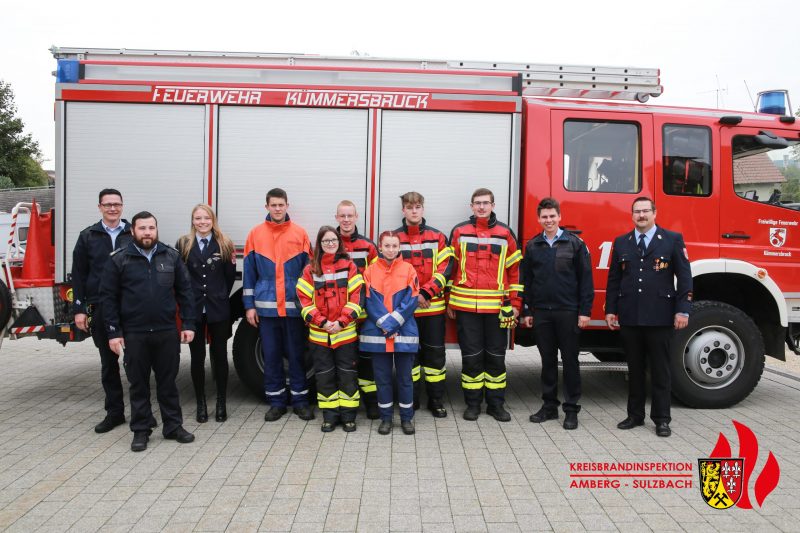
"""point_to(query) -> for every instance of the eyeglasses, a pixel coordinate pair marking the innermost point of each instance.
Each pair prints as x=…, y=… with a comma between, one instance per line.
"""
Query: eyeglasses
x=642, y=211
x=346, y=217
x=482, y=204
x=111, y=206
x=330, y=242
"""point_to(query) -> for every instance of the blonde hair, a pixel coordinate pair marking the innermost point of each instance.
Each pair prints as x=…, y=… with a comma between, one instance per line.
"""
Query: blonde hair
x=346, y=203
x=412, y=198
x=186, y=242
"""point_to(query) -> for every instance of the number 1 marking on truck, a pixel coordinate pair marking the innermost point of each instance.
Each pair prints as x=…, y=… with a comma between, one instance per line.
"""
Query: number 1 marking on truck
x=605, y=255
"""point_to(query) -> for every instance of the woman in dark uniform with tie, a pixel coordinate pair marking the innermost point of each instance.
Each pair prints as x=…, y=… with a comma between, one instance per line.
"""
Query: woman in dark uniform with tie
x=211, y=260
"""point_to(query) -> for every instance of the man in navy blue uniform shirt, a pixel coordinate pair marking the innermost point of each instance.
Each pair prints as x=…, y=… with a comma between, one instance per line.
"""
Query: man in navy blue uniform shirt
x=642, y=298
x=557, y=274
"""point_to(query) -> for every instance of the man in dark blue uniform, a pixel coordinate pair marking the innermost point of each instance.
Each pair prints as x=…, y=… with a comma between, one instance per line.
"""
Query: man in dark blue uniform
x=89, y=258
x=642, y=298
x=557, y=275
x=139, y=289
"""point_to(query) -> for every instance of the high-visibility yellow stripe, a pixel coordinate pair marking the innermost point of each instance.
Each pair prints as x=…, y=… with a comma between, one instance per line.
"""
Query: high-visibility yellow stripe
x=471, y=386
x=345, y=400
x=444, y=254
x=513, y=259
x=305, y=287
x=304, y=312
x=354, y=307
x=328, y=402
x=469, y=379
x=463, y=262
x=495, y=379
x=415, y=373
x=494, y=386
x=355, y=283
x=501, y=267
x=316, y=334
x=468, y=291
x=516, y=287
x=440, y=278
x=434, y=375
x=346, y=334
x=437, y=306
x=366, y=385
x=474, y=303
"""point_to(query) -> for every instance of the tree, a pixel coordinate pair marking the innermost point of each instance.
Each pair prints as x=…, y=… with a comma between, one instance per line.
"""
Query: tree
x=20, y=157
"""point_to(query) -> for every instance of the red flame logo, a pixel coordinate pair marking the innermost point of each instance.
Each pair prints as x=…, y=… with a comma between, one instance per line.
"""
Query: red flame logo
x=766, y=481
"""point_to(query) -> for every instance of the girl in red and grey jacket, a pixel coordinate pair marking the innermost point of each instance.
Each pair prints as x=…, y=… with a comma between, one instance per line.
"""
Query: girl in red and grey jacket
x=331, y=293
x=390, y=331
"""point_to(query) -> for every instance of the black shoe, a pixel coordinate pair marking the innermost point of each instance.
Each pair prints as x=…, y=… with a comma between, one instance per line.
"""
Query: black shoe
x=372, y=411
x=407, y=426
x=349, y=426
x=630, y=423
x=498, y=413
x=472, y=412
x=570, y=420
x=109, y=423
x=202, y=411
x=140, y=439
x=274, y=414
x=222, y=411
x=662, y=429
x=543, y=415
x=385, y=428
x=328, y=426
x=180, y=435
x=437, y=409
x=304, y=412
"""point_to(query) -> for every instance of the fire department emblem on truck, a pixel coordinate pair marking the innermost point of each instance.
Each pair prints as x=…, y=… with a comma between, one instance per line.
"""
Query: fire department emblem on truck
x=777, y=237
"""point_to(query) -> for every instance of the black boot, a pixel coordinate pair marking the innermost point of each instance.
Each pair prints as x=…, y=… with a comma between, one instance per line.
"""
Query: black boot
x=222, y=412
x=202, y=410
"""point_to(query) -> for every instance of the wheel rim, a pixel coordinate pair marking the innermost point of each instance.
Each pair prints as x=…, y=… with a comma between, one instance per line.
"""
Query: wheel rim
x=714, y=357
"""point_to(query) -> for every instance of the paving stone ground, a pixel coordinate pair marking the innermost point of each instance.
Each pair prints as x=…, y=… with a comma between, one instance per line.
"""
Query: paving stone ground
x=56, y=474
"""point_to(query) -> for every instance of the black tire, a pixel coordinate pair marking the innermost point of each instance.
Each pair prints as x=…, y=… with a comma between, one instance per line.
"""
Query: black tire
x=247, y=358
x=718, y=359
x=249, y=362
x=5, y=305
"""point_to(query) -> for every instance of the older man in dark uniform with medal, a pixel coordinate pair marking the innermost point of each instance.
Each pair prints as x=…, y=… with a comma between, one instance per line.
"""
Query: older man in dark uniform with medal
x=642, y=298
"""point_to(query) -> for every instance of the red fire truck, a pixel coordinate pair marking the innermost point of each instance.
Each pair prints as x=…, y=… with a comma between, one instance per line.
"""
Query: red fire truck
x=172, y=129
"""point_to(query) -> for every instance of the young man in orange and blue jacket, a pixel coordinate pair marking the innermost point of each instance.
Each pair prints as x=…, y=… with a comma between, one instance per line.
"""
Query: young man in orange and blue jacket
x=426, y=249
x=274, y=257
x=484, y=299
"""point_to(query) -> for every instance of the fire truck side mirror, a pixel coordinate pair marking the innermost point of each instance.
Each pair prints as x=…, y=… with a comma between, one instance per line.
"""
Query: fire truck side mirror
x=770, y=140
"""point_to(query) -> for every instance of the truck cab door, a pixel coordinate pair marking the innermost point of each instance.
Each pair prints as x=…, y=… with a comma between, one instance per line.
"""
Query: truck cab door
x=759, y=217
x=687, y=182
x=601, y=161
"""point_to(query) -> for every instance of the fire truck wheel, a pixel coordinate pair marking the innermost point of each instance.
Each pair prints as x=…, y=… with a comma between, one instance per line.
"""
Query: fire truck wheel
x=718, y=359
x=247, y=358
x=5, y=304
x=249, y=361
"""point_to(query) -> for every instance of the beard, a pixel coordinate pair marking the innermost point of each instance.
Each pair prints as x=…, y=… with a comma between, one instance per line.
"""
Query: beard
x=145, y=243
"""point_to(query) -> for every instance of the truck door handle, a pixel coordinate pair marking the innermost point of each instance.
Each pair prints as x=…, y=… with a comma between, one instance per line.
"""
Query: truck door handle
x=735, y=236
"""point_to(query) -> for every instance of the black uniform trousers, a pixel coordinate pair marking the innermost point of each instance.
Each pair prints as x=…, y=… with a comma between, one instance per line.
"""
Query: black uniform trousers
x=648, y=346
x=431, y=357
x=558, y=330
x=218, y=334
x=336, y=374
x=483, y=357
x=109, y=365
x=160, y=352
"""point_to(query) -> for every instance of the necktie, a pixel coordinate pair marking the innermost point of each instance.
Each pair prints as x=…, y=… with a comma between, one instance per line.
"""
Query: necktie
x=642, y=246
x=204, y=247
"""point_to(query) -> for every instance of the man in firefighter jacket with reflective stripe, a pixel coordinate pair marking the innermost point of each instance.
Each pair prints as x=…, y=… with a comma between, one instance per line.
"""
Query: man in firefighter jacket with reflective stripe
x=425, y=248
x=275, y=254
x=362, y=252
x=484, y=299
x=643, y=298
x=331, y=293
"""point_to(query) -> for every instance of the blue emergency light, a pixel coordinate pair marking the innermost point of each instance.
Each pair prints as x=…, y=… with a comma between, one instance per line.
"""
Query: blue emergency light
x=774, y=102
x=68, y=71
